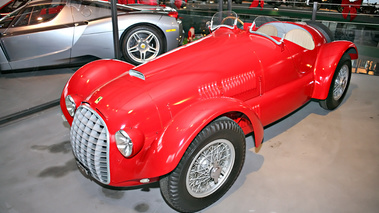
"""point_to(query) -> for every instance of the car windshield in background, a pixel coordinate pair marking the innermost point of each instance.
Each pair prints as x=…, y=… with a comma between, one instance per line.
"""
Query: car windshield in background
x=32, y=15
x=12, y=6
x=35, y=14
x=105, y=4
x=7, y=20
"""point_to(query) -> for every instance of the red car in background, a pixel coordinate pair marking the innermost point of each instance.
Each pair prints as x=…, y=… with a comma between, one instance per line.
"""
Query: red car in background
x=182, y=118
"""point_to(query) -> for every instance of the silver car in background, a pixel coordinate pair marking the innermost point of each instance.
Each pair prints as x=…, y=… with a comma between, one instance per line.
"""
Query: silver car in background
x=68, y=32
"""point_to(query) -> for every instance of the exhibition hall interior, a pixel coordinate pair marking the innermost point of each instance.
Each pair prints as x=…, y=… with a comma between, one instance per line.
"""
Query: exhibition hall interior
x=192, y=111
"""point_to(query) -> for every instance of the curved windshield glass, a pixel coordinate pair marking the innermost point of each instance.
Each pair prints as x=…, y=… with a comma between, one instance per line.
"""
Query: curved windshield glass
x=6, y=20
x=261, y=20
x=224, y=19
x=32, y=15
x=13, y=5
x=278, y=31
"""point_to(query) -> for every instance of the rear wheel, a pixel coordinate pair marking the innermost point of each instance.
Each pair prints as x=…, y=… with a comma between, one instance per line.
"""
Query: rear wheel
x=142, y=44
x=340, y=84
x=208, y=168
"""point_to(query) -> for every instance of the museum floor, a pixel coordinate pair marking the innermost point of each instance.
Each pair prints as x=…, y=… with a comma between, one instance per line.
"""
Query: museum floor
x=312, y=161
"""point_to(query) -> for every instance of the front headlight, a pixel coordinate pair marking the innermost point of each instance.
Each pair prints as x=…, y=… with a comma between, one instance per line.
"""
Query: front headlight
x=124, y=143
x=70, y=105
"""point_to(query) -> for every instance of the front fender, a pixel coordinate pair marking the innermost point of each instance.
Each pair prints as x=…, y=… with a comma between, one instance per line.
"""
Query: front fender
x=326, y=63
x=166, y=152
x=89, y=78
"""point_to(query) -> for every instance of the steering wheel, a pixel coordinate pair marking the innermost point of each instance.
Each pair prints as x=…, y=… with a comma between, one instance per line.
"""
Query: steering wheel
x=232, y=17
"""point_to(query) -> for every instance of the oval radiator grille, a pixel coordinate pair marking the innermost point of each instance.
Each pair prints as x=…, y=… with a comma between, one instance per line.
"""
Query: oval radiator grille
x=90, y=143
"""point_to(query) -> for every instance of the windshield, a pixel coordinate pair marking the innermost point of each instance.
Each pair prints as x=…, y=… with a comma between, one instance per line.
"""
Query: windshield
x=261, y=20
x=32, y=15
x=13, y=5
x=22, y=14
x=6, y=20
x=104, y=4
x=224, y=19
x=278, y=31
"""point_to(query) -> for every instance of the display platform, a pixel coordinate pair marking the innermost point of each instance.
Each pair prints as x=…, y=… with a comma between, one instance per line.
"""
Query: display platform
x=311, y=161
x=31, y=89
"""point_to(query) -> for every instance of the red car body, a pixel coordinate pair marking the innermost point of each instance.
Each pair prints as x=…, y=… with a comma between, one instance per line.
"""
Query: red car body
x=164, y=104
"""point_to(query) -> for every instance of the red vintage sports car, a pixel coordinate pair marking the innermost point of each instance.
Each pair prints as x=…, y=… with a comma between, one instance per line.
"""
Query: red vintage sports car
x=182, y=118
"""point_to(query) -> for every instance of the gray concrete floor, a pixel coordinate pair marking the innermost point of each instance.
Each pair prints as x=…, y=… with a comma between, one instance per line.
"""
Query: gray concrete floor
x=311, y=161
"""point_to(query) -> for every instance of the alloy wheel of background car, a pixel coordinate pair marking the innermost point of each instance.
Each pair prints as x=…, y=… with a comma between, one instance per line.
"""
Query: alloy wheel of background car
x=142, y=44
x=340, y=84
x=208, y=168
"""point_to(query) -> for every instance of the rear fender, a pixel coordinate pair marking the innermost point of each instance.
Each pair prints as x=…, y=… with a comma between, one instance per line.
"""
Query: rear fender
x=88, y=78
x=166, y=152
x=326, y=63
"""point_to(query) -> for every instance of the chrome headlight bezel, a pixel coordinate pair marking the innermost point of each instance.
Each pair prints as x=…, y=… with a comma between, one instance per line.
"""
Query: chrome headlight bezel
x=70, y=105
x=124, y=143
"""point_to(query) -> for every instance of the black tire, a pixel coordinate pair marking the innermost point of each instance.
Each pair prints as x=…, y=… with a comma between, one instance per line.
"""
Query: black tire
x=142, y=44
x=323, y=29
x=340, y=84
x=180, y=189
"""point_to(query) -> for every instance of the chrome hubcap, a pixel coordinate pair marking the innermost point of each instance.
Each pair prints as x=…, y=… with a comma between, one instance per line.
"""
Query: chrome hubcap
x=142, y=46
x=340, y=83
x=210, y=168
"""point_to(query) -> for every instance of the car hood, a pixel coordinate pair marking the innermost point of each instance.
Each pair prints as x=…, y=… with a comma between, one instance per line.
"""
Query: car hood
x=203, y=69
x=219, y=56
x=184, y=75
x=123, y=96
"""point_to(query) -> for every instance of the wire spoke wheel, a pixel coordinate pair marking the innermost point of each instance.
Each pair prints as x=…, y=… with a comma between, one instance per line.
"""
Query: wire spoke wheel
x=340, y=83
x=210, y=168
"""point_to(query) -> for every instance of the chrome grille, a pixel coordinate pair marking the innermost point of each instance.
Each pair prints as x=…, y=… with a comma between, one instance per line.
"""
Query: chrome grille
x=90, y=143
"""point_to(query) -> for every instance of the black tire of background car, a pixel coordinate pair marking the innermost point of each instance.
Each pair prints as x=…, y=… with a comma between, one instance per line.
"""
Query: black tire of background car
x=323, y=29
x=136, y=29
x=173, y=186
x=330, y=103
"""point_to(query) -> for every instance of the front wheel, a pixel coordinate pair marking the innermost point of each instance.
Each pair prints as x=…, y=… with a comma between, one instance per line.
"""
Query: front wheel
x=340, y=84
x=142, y=44
x=208, y=168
